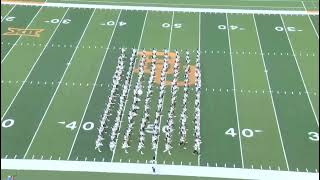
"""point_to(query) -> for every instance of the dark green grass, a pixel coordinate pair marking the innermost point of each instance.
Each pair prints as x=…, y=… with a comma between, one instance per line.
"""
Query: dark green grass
x=23, y=16
x=294, y=112
x=32, y=101
x=123, y=37
x=315, y=21
x=217, y=109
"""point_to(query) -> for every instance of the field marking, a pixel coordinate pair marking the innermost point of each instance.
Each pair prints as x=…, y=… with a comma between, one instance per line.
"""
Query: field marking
x=199, y=45
x=104, y=56
x=134, y=168
x=170, y=36
x=310, y=20
x=274, y=108
x=207, y=51
x=221, y=90
x=21, y=35
x=57, y=88
x=297, y=63
x=166, y=9
x=200, y=5
x=130, y=83
x=5, y=16
x=234, y=92
x=25, y=80
x=93, y=88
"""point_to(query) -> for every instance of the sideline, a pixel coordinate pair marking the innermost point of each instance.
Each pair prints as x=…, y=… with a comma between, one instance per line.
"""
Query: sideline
x=134, y=168
x=165, y=9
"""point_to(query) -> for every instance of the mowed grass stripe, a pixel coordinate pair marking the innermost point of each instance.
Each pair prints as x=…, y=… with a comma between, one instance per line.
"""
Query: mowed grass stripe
x=309, y=65
x=23, y=15
x=315, y=21
x=153, y=24
x=295, y=115
x=184, y=38
x=124, y=36
x=218, y=112
x=22, y=59
x=255, y=110
x=5, y=10
x=60, y=81
x=28, y=109
x=75, y=90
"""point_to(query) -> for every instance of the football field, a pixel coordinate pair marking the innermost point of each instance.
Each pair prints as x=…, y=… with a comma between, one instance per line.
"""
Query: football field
x=259, y=73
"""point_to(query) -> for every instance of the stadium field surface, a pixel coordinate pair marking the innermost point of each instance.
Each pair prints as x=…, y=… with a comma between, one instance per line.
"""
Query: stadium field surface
x=259, y=73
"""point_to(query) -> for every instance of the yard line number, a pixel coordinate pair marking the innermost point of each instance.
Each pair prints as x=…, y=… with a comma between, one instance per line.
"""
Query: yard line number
x=313, y=136
x=231, y=27
x=9, y=18
x=112, y=23
x=7, y=123
x=289, y=29
x=87, y=126
x=248, y=133
x=168, y=25
x=56, y=21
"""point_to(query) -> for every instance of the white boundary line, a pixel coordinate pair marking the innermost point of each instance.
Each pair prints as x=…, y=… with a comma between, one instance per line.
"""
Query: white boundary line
x=21, y=35
x=134, y=168
x=310, y=20
x=304, y=84
x=167, y=9
x=274, y=108
x=130, y=83
x=7, y=13
x=25, y=80
x=60, y=82
x=234, y=92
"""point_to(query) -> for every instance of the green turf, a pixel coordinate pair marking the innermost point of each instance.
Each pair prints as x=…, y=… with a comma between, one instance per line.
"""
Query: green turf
x=217, y=107
x=23, y=15
x=255, y=108
x=307, y=57
x=315, y=21
x=4, y=11
x=294, y=112
x=52, y=58
x=25, y=54
x=127, y=36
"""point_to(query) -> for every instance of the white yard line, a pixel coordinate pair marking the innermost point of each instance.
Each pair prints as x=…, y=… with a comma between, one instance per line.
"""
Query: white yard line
x=274, y=108
x=134, y=168
x=169, y=46
x=200, y=71
x=25, y=80
x=125, y=104
x=21, y=35
x=310, y=20
x=8, y=13
x=304, y=84
x=166, y=9
x=95, y=82
x=234, y=91
x=57, y=88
